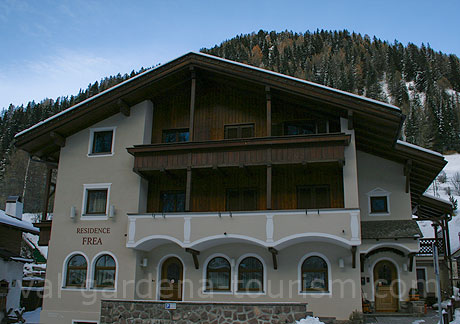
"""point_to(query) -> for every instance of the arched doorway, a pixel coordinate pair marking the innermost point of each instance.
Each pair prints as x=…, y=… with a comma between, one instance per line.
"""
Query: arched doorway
x=171, y=279
x=386, y=287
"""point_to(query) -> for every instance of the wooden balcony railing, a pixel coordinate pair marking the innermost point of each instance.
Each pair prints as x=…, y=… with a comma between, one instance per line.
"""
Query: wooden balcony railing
x=240, y=152
x=426, y=246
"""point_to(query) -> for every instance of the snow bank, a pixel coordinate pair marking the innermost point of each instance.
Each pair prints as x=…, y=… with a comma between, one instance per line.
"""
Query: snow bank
x=310, y=320
x=33, y=316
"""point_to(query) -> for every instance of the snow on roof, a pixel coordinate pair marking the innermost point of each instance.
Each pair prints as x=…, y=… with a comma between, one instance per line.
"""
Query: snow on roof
x=215, y=58
x=416, y=147
x=32, y=238
x=19, y=259
x=444, y=201
x=12, y=221
x=426, y=228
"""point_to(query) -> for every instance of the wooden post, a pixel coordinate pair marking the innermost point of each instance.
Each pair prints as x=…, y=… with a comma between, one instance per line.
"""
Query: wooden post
x=268, y=97
x=192, y=105
x=188, y=189
x=269, y=186
x=353, y=256
x=49, y=175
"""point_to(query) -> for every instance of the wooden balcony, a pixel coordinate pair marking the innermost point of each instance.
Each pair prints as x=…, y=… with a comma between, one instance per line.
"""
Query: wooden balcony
x=300, y=149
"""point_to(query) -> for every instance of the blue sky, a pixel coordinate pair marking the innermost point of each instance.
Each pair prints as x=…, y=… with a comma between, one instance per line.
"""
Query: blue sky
x=55, y=47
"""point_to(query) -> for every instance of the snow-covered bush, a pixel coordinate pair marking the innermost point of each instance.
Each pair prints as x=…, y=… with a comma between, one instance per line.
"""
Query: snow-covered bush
x=310, y=320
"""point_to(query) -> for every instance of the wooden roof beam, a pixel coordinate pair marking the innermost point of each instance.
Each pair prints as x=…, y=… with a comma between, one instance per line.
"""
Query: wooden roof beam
x=58, y=139
x=125, y=109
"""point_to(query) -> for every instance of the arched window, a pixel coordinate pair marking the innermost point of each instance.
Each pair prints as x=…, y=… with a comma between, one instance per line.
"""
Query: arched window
x=250, y=275
x=104, y=272
x=218, y=275
x=76, y=271
x=314, y=274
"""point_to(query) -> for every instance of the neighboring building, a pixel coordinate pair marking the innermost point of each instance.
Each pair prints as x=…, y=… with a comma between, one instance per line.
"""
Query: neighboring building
x=212, y=182
x=434, y=217
x=11, y=262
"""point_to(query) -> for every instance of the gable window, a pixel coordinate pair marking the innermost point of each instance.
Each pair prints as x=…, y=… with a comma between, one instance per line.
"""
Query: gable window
x=379, y=202
x=101, y=141
x=104, y=272
x=379, y=205
x=172, y=201
x=241, y=199
x=314, y=274
x=175, y=135
x=96, y=200
x=218, y=275
x=239, y=131
x=313, y=197
x=250, y=275
x=76, y=271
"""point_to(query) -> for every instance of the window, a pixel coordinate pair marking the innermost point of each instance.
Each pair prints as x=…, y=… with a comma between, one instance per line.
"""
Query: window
x=311, y=126
x=379, y=202
x=239, y=131
x=96, y=202
x=101, y=141
x=314, y=274
x=218, y=275
x=379, y=205
x=76, y=271
x=104, y=272
x=172, y=201
x=250, y=275
x=175, y=135
x=300, y=128
x=241, y=199
x=313, y=197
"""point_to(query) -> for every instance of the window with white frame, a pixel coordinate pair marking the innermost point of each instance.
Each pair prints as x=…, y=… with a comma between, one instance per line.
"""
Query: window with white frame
x=218, y=275
x=104, y=272
x=250, y=275
x=96, y=200
x=379, y=202
x=76, y=269
x=101, y=141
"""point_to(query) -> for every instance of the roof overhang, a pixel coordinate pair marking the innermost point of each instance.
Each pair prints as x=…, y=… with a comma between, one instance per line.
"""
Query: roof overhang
x=433, y=208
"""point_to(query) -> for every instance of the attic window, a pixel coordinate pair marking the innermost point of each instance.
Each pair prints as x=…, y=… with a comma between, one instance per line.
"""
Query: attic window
x=379, y=202
x=101, y=141
x=379, y=205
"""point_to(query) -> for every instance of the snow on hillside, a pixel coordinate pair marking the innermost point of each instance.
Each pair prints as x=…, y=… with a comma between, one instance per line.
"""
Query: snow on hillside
x=440, y=189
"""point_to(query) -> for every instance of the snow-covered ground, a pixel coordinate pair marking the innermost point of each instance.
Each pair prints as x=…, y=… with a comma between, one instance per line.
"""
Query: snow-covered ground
x=32, y=317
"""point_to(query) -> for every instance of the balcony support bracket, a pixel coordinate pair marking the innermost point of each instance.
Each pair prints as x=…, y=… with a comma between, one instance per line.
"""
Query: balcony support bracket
x=353, y=256
x=274, y=253
x=195, y=255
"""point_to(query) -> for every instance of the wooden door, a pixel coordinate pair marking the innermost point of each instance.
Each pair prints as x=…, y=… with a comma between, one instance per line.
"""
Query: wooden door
x=386, y=287
x=171, y=279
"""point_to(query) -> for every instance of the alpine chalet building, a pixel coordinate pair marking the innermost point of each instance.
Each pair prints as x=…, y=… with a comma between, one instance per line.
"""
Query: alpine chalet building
x=206, y=189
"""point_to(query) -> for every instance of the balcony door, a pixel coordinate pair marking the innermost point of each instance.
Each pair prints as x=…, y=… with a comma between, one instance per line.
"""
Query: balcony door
x=171, y=279
x=386, y=287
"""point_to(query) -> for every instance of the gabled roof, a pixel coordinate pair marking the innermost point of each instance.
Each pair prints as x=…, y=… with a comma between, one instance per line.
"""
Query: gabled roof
x=377, y=125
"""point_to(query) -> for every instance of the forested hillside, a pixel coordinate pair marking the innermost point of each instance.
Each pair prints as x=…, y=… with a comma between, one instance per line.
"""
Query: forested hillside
x=423, y=82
